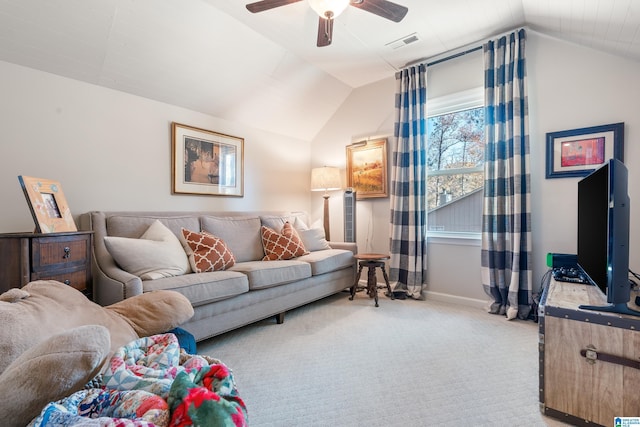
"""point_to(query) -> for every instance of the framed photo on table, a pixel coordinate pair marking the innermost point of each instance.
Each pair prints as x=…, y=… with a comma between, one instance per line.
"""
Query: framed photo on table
x=367, y=168
x=578, y=152
x=47, y=204
x=206, y=162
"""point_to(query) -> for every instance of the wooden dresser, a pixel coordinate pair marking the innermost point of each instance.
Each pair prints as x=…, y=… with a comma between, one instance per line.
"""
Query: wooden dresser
x=589, y=360
x=65, y=257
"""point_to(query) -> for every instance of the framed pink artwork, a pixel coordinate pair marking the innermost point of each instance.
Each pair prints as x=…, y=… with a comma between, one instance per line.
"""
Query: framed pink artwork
x=578, y=152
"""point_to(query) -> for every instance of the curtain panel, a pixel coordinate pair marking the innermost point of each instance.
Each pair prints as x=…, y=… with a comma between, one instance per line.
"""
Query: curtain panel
x=408, y=242
x=506, y=222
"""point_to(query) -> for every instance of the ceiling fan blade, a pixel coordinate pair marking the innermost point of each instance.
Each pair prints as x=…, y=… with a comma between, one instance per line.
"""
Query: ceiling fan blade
x=261, y=6
x=325, y=31
x=383, y=8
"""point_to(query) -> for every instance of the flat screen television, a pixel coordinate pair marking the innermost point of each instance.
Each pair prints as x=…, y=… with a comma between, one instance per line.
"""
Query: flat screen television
x=603, y=234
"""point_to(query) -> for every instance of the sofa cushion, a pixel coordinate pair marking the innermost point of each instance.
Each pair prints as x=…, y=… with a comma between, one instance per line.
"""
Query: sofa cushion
x=282, y=246
x=329, y=260
x=202, y=288
x=241, y=234
x=207, y=252
x=262, y=274
x=157, y=253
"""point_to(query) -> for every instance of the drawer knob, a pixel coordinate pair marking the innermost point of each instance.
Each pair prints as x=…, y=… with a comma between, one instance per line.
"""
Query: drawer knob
x=67, y=282
x=67, y=252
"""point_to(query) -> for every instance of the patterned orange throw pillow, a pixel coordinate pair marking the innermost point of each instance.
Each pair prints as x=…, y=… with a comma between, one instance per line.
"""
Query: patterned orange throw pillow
x=209, y=253
x=284, y=245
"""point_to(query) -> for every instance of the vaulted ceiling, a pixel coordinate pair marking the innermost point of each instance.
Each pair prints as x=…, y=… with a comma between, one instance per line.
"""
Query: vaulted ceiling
x=264, y=69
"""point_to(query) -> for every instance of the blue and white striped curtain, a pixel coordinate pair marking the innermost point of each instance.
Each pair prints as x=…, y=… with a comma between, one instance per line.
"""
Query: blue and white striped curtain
x=408, y=265
x=506, y=219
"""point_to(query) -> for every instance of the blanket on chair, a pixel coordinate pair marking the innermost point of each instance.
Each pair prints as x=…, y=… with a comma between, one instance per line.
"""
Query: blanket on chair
x=151, y=383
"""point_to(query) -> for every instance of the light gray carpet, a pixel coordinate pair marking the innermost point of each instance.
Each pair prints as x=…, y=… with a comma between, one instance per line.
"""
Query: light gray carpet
x=407, y=363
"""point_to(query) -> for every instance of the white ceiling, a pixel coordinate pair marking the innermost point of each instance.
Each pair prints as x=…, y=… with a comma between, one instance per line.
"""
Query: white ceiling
x=264, y=69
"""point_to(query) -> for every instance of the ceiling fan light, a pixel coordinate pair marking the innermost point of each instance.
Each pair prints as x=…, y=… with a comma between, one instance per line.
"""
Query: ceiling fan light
x=335, y=7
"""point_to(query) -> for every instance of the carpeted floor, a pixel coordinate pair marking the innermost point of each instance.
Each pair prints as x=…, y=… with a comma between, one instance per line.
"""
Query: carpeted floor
x=407, y=363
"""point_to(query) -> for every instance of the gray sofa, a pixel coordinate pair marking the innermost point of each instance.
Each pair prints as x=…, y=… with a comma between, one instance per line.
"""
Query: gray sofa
x=249, y=291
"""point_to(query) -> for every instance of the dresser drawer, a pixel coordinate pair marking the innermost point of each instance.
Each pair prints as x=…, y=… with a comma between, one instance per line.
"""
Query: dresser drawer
x=78, y=279
x=60, y=252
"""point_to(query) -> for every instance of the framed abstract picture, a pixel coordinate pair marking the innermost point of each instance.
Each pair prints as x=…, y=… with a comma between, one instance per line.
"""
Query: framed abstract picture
x=206, y=162
x=367, y=168
x=578, y=152
x=47, y=204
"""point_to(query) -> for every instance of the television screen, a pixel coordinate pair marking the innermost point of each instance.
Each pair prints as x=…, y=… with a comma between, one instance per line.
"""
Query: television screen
x=593, y=228
x=603, y=234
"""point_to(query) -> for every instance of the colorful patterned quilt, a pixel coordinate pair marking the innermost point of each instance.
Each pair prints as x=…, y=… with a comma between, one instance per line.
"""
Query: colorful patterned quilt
x=148, y=383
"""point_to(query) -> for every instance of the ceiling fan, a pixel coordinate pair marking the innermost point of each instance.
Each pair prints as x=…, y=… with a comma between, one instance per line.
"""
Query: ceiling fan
x=329, y=9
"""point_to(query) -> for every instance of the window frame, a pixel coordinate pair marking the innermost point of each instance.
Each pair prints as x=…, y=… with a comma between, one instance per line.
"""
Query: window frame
x=446, y=104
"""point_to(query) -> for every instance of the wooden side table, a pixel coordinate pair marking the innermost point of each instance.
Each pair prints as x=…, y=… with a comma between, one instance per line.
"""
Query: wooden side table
x=65, y=257
x=371, y=261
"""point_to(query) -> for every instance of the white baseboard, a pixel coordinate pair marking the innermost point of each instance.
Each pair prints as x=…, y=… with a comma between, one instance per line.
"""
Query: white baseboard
x=453, y=299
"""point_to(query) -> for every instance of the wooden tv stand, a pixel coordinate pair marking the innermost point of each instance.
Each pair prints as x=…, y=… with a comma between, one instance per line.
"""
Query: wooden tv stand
x=589, y=360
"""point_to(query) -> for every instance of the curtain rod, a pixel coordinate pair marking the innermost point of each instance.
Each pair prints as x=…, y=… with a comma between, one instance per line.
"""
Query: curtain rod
x=454, y=56
x=464, y=52
x=445, y=59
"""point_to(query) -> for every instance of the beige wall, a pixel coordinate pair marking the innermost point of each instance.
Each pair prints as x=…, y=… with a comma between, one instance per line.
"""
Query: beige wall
x=573, y=87
x=110, y=151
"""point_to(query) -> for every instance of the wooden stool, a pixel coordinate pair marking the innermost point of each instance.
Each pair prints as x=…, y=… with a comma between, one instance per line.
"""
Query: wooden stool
x=371, y=261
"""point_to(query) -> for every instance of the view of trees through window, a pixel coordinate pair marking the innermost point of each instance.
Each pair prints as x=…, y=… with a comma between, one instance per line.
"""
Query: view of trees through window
x=455, y=157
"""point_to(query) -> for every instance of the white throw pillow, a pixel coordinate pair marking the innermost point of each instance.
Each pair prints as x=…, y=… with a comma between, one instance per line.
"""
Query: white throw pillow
x=276, y=222
x=313, y=239
x=156, y=254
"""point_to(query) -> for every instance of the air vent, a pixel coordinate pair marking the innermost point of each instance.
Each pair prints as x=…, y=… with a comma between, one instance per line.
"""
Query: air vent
x=397, y=44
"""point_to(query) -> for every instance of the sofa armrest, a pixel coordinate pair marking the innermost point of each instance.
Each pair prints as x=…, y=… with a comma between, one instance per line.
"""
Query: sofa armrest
x=110, y=283
x=349, y=246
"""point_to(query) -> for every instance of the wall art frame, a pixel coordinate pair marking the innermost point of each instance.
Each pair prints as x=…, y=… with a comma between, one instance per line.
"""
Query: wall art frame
x=578, y=152
x=47, y=204
x=367, y=168
x=206, y=162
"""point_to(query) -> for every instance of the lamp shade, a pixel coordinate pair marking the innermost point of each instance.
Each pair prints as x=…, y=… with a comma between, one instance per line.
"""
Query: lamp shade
x=334, y=7
x=325, y=179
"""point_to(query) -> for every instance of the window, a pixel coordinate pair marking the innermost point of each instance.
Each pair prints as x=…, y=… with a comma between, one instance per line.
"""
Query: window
x=455, y=161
